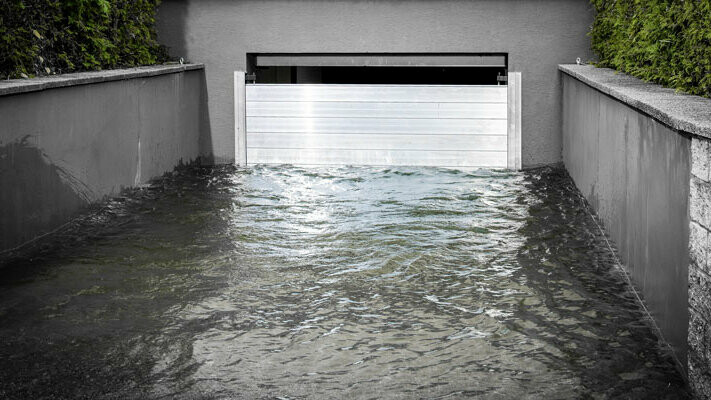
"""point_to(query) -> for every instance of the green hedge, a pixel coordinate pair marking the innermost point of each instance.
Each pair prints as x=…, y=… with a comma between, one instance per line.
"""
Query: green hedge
x=662, y=41
x=41, y=37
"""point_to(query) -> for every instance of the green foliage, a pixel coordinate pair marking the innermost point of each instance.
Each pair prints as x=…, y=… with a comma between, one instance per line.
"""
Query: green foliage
x=662, y=41
x=41, y=37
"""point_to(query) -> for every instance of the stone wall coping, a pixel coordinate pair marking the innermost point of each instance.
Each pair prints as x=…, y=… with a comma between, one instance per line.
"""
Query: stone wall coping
x=679, y=111
x=17, y=86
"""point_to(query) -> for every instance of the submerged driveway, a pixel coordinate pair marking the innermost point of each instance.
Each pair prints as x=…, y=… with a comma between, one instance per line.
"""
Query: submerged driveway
x=285, y=282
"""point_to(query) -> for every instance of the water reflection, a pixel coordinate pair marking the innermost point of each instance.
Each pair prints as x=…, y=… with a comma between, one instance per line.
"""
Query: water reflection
x=317, y=283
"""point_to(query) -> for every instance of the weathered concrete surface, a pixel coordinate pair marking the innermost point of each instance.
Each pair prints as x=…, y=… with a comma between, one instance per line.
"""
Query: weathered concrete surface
x=700, y=269
x=536, y=35
x=686, y=113
x=634, y=171
x=63, y=148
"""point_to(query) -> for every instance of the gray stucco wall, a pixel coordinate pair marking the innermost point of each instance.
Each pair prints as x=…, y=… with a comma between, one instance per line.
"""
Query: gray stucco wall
x=537, y=35
x=63, y=148
x=635, y=172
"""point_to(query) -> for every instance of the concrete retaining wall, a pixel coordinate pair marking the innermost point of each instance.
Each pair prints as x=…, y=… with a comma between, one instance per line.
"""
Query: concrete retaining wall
x=634, y=172
x=536, y=35
x=70, y=140
x=641, y=156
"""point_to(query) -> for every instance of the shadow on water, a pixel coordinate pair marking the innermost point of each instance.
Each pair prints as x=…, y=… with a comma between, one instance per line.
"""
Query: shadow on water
x=80, y=309
x=314, y=283
x=587, y=309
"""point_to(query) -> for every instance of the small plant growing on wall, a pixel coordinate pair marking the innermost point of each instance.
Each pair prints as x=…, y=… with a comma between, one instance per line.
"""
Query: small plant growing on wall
x=42, y=37
x=662, y=41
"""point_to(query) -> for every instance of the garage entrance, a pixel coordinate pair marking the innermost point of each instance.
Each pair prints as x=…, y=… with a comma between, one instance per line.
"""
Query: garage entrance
x=426, y=118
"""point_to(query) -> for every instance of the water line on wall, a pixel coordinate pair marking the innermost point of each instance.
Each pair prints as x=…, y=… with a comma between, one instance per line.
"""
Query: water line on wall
x=631, y=286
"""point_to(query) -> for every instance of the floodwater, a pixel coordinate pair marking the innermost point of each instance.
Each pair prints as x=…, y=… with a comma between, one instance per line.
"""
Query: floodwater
x=343, y=282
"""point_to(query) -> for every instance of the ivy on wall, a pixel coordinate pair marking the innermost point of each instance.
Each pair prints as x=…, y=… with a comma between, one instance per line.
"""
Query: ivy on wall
x=42, y=37
x=662, y=41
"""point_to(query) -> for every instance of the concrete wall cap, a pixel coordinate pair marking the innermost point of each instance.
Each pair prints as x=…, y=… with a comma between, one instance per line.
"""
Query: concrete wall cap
x=679, y=111
x=17, y=86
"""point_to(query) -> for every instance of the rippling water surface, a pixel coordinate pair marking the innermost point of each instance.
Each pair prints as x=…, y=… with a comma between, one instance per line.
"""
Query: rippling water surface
x=285, y=282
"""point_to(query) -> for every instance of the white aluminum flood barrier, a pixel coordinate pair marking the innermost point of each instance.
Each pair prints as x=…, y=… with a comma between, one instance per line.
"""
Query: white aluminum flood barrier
x=415, y=125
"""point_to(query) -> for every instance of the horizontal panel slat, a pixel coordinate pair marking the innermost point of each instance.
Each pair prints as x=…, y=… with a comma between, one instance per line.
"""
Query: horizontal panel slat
x=379, y=93
x=378, y=157
x=376, y=142
x=377, y=125
x=375, y=109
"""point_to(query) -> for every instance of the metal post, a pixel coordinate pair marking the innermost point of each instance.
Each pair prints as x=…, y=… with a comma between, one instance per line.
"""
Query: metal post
x=240, y=119
x=514, y=121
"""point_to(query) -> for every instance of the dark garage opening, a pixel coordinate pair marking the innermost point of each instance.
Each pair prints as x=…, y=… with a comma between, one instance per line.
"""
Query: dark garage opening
x=382, y=68
x=382, y=75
